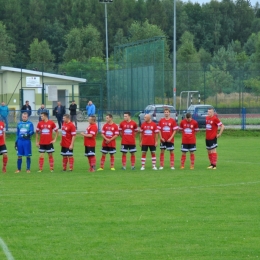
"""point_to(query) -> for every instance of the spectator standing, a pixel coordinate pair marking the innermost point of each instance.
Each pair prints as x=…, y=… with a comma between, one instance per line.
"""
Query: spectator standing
x=41, y=110
x=59, y=112
x=91, y=109
x=26, y=108
x=4, y=112
x=73, y=112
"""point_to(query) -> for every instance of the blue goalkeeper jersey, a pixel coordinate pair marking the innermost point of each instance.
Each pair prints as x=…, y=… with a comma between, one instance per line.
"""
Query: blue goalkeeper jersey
x=24, y=130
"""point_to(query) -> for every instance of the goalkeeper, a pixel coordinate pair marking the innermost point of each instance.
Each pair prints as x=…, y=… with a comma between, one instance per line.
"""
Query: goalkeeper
x=23, y=145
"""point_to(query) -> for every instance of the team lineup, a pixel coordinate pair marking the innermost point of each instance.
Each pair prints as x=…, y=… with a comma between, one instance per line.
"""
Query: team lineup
x=150, y=136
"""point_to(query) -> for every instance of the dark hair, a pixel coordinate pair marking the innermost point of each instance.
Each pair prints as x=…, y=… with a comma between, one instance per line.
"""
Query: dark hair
x=188, y=115
x=127, y=113
x=93, y=117
x=44, y=113
x=110, y=115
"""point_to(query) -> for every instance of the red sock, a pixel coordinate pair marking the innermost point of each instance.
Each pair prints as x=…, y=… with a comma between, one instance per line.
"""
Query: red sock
x=210, y=158
x=41, y=162
x=143, y=159
x=71, y=162
x=64, y=162
x=89, y=161
x=153, y=159
x=192, y=159
x=124, y=159
x=183, y=159
x=112, y=161
x=132, y=159
x=5, y=160
x=172, y=159
x=102, y=160
x=93, y=161
x=161, y=159
x=214, y=158
x=51, y=162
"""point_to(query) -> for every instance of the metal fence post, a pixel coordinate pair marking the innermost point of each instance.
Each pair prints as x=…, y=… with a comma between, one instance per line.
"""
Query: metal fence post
x=243, y=118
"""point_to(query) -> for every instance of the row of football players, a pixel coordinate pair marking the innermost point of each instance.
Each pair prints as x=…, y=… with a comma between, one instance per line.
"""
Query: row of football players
x=150, y=134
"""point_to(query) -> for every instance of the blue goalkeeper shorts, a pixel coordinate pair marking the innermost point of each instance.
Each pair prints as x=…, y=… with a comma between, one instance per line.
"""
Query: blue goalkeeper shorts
x=24, y=147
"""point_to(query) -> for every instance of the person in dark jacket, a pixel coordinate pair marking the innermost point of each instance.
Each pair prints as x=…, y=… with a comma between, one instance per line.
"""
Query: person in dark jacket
x=73, y=112
x=26, y=108
x=59, y=111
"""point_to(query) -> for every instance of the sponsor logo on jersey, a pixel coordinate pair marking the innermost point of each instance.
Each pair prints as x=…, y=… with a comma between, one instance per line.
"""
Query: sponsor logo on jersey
x=109, y=133
x=166, y=129
x=128, y=131
x=148, y=132
x=63, y=132
x=187, y=131
x=45, y=131
x=23, y=130
x=208, y=126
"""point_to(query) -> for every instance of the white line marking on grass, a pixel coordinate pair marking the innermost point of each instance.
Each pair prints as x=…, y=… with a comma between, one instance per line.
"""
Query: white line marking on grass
x=141, y=190
x=6, y=250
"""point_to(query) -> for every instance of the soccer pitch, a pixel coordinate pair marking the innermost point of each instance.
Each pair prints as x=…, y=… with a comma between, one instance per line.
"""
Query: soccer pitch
x=168, y=214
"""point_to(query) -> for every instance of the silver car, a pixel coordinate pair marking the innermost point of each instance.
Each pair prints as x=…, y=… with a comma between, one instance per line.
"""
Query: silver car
x=157, y=112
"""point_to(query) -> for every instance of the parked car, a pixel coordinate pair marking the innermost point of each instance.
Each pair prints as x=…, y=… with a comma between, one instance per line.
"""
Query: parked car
x=199, y=113
x=157, y=112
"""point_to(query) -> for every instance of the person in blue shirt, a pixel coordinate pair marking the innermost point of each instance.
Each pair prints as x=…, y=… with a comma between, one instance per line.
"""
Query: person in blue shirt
x=23, y=145
x=91, y=109
x=4, y=112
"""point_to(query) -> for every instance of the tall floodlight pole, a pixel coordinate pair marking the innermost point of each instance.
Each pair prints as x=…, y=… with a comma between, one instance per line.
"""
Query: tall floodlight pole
x=107, y=65
x=174, y=54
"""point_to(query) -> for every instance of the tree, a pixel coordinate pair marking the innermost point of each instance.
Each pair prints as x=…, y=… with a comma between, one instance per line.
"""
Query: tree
x=7, y=50
x=82, y=44
x=40, y=54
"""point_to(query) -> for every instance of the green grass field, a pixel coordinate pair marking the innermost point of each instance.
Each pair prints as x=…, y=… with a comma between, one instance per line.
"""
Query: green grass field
x=180, y=214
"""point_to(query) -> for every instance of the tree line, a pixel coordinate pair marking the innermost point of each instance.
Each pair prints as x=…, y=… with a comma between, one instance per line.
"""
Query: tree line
x=223, y=37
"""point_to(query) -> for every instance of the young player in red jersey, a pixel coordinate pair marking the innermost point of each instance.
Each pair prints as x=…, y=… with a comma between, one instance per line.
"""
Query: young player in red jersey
x=67, y=142
x=189, y=128
x=212, y=125
x=45, y=128
x=90, y=142
x=167, y=128
x=109, y=133
x=3, y=150
x=128, y=130
x=148, y=139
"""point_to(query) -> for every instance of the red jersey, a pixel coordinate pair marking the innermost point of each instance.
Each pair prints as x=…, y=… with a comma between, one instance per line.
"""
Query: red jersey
x=2, y=131
x=110, y=130
x=167, y=127
x=46, y=129
x=91, y=141
x=212, y=124
x=128, y=130
x=68, y=130
x=189, y=130
x=148, y=131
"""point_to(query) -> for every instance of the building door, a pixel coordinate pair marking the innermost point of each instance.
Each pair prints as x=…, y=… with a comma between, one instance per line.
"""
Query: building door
x=29, y=94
